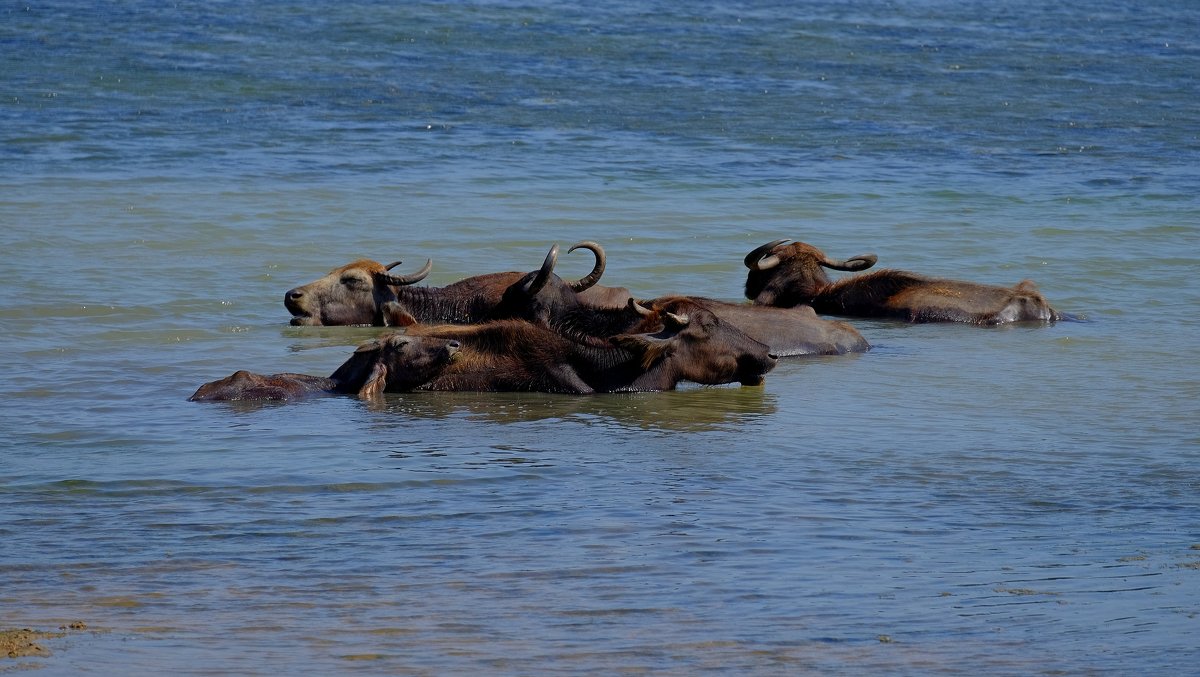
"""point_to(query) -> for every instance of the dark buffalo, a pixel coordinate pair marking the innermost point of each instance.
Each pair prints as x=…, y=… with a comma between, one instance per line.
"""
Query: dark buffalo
x=365, y=293
x=395, y=363
x=787, y=275
x=518, y=355
x=514, y=355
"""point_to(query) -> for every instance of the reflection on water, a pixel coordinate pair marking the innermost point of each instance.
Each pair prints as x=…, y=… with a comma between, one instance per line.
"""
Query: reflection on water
x=687, y=409
x=312, y=338
x=691, y=408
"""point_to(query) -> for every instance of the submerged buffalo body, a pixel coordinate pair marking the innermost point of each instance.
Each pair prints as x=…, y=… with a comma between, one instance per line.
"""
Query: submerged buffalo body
x=366, y=293
x=394, y=363
x=787, y=275
x=246, y=385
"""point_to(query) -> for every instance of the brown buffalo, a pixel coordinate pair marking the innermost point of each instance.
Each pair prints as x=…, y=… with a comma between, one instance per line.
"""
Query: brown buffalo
x=786, y=331
x=395, y=363
x=516, y=355
x=788, y=275
x=365, y=293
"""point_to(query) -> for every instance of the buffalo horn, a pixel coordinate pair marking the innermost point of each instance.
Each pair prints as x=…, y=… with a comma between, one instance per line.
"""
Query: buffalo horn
x=535, y=285
x=861, y=262
x=597, y=270
x=639, y=308
x=758, y=259
x=677, y=320
x=402, y=280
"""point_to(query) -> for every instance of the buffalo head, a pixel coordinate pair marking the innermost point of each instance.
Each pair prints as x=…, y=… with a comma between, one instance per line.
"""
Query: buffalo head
x=394, y=363
x=351, y=294
x=695, y=345
x=786, y=275
x=543, y=297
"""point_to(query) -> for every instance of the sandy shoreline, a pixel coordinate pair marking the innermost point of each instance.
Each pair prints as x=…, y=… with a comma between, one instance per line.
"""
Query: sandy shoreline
x=26, y=642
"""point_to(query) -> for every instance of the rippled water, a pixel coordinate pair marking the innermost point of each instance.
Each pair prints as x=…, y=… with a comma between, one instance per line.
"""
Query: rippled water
x=1020, y=500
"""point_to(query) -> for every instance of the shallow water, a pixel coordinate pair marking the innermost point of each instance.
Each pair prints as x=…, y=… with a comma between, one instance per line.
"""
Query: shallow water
x=1016, y=500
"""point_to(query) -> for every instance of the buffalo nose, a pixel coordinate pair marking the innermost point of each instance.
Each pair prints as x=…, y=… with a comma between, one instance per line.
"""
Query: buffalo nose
x=772, y=356
x=293, y=294
x=455, y=344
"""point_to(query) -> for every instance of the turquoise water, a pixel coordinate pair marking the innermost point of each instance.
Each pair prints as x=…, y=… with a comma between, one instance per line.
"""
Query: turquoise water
x=1022, y=500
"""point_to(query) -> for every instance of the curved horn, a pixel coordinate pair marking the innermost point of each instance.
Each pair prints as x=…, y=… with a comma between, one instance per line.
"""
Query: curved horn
x=535, y=285
x=861, y=262
x=402, y=280
x=758, y=259
x=593, y=277
x=639, y=308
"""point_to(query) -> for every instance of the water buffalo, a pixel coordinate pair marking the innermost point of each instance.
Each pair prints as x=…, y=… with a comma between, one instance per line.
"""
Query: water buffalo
x=788, y=275
x=365, y=293
x=786, y=331
x=516, y=355
x=394, y=363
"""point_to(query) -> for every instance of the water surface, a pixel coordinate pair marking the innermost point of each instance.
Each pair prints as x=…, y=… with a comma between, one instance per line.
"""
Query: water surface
x=1018, y=500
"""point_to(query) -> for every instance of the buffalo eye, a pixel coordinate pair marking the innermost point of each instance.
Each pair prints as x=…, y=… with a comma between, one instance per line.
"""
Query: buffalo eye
x=354, y=283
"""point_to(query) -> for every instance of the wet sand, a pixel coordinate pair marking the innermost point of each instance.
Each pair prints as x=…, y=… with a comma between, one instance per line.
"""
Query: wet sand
x=25, y=642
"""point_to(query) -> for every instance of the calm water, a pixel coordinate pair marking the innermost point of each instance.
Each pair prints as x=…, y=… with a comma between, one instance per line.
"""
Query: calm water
x=1023, y=500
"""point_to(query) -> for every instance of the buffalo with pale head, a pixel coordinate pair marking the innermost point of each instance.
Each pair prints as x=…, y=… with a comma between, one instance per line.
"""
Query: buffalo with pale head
x=366, y=293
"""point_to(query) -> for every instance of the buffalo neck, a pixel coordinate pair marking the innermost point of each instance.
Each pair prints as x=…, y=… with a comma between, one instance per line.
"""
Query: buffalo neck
x=615, y=369
x=433, y=305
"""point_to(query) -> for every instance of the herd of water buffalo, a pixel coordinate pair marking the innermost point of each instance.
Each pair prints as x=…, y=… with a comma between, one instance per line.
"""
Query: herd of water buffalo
x=535, y=331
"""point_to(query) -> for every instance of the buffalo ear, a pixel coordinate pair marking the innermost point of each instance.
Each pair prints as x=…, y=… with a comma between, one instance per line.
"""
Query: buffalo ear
x=651, y=348
x=373, y=388
x=395, y=315
x=765, y=298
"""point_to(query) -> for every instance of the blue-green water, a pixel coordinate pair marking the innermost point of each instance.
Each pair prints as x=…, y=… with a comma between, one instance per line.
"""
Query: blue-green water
x=1024, y=500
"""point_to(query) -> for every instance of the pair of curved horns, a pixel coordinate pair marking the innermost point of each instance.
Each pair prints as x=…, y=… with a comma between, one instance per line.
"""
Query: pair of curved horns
x=587, y=281
x=535, y=285
x=677, y=319
x=762, y=258
x=402, y=280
